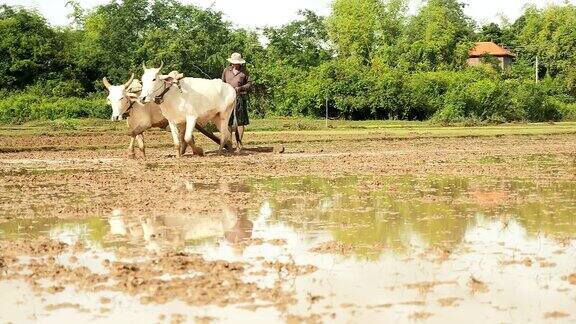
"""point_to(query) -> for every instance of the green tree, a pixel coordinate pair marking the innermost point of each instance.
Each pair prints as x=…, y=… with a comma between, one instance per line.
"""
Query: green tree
x=119, y=36
x=112, y=34
x=78, y=14
x=353, y=27
x=392, y=23
x=187, y=38
x=550, y=35
x=30, y=50
x=292, y=50
x=438, y=37
x=302, y=42
x=491, y=33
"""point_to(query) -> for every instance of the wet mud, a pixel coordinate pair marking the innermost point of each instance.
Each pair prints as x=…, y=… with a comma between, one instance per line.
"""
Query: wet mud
x=345, y=230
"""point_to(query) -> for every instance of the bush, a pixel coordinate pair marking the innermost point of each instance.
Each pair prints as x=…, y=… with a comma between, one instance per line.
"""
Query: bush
x=354, y=91
x=549, y=111
x=537, y=102
x=567, y=111
x=425, y=92
x=489, y=99
x=22, y=107
x=386, y=98
x=472, y=96
x=57, y=88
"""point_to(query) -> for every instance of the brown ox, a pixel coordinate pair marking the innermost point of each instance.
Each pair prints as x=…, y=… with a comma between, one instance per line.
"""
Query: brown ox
x=140, y=117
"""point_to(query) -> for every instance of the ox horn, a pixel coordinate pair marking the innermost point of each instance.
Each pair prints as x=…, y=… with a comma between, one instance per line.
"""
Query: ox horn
x=127, y=84
x=106, y=83
x=144, y=65
x=161, y=66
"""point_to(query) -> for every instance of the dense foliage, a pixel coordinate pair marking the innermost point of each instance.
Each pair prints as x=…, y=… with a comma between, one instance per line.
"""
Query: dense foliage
x=369, y=59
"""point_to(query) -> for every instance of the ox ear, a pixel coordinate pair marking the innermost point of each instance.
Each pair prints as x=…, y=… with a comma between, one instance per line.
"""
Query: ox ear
x=106, y=83
x=168, y=79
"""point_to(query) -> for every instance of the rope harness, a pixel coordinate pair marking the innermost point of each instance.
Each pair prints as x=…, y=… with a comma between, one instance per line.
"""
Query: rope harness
x=160, y=98
x=126, y=114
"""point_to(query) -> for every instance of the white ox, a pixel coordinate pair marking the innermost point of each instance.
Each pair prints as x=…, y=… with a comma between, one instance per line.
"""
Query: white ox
x=190, y=101
x=124, y=102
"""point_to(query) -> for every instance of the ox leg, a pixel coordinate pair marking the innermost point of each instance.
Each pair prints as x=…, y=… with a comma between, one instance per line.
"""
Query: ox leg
x=176, y=138
x=140, y=140
x=188, y=136
x=131, y=148
x=183, y=144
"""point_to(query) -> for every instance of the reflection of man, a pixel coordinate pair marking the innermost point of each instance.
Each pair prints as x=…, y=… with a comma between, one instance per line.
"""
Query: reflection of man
x=242, y=230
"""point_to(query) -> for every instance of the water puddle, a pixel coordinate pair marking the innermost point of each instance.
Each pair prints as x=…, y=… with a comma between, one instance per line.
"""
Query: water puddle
x=362, y=249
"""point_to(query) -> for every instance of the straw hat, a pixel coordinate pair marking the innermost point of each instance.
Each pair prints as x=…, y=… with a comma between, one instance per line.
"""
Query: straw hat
x=236, y=58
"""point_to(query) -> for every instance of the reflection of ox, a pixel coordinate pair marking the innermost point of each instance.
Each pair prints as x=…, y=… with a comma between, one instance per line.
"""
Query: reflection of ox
x=173, y=231
x=123, y=99
x=190, y=101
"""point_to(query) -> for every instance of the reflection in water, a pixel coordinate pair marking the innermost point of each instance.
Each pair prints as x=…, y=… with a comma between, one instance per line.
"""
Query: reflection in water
x=177, y=231
x=396, y=214
x=502, y=232
x=241, y=231
x=91, y=230
x=404, y=211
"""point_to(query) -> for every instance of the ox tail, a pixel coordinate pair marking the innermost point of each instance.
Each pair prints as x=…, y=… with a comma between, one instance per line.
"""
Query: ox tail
x=235, y=116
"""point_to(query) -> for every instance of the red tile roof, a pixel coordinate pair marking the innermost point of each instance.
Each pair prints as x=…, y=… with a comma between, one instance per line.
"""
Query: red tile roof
x=489, y=48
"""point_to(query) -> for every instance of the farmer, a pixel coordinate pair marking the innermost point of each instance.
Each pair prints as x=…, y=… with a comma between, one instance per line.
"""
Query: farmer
x=237, y=76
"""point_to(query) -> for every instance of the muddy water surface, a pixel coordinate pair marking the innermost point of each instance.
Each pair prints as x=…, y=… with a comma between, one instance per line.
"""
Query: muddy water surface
x=348, y=249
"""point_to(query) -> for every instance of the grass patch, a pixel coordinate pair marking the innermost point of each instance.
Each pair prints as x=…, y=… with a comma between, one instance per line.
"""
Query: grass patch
x=75, y=126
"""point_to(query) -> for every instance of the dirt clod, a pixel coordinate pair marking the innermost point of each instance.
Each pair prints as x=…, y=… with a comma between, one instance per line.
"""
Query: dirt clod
x=448, y=302
x=420, y=316
x=572, y=279
x=298, y=319
x=334, y=247
x=555, y=314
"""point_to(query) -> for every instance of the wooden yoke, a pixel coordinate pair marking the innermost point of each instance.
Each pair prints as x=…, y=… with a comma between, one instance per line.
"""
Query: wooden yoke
x=213, y=137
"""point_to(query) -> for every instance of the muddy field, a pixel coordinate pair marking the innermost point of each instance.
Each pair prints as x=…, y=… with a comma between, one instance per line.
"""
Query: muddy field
x=357, y=223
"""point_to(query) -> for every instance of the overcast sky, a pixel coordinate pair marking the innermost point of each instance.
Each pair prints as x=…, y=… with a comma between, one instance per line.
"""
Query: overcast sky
x=257, y=13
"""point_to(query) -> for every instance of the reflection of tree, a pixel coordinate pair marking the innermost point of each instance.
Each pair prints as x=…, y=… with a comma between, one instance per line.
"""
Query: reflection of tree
x=390, y=217
x=433, y=210
x=547, y=209
x=401, y=211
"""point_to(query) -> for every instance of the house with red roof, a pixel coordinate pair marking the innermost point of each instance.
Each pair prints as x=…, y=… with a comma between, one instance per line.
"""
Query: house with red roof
x=486, y=49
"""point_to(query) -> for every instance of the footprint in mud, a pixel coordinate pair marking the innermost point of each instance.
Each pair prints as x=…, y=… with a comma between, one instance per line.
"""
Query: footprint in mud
x=477, y=286
x=448, y=302
x=420, y=316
